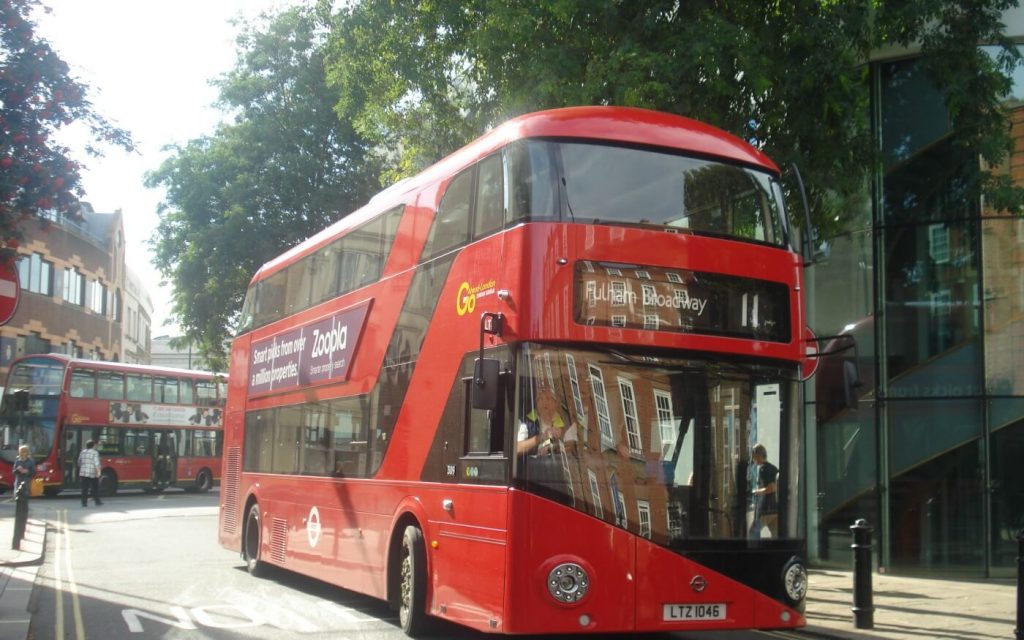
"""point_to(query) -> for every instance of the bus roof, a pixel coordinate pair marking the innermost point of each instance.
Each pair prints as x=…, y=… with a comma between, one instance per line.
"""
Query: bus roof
x=120, y=366
x=627, y=125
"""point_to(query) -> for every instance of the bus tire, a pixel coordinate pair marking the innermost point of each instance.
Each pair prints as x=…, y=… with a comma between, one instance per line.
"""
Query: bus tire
x=49, y=492
x=412, y=583
x=204, y=481
x=108, y=483
x=251, y=543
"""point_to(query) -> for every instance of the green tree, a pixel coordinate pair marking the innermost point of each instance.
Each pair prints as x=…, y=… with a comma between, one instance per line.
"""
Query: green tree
x=37, y=97
x=790, y=77
x=285, y=168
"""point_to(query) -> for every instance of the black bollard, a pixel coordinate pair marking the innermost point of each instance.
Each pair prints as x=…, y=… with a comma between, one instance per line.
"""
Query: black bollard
x=1019, y=631
x=863, y=608
x=20, y=514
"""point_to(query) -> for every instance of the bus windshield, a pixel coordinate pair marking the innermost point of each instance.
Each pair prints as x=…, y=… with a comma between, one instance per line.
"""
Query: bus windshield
x=604, y=184
x=674, y=449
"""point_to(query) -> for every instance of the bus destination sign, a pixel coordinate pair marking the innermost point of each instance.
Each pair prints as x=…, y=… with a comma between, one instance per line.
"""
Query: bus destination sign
x=315, y=353
x=654, y=298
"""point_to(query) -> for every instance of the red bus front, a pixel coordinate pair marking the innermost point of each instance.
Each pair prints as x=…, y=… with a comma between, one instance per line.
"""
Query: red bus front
x=565, y=400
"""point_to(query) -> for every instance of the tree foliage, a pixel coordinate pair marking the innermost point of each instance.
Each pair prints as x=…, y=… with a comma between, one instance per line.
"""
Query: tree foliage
x=285, y=168
x=38, y=96
x=791, y=77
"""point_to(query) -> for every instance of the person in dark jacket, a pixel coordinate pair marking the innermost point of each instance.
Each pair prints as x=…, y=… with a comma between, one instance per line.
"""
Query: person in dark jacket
x=24, y=470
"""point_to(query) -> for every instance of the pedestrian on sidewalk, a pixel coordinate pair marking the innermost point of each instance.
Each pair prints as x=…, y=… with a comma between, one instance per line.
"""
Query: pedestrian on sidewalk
x=24, y=470
x=89, y=473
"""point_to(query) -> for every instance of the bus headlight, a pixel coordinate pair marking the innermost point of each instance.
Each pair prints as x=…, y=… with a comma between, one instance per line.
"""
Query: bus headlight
x=794, y=580
x=568, y=583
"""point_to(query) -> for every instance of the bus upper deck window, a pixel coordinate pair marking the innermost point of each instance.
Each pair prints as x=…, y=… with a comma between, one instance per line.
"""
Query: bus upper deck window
x=532, y=181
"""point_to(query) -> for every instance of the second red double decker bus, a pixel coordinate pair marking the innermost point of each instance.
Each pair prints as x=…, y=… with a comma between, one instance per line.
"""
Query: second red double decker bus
x=154, y=427
x=549, y=385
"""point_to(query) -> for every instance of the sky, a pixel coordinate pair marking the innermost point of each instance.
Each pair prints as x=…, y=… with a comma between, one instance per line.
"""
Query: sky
x=148, y=64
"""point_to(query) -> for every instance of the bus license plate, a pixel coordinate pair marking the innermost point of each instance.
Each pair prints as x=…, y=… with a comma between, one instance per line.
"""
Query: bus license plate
x=684, y=612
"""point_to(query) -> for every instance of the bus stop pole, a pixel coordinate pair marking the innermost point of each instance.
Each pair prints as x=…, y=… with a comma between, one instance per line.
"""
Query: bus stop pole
x=20, y=514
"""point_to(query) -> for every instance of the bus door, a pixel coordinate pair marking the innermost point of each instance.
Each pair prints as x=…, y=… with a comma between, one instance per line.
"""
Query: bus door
x=165, y=458
x=74, y=442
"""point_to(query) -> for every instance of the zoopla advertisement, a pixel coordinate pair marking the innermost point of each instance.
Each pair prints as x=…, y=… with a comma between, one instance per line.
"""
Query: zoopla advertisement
x=315, y=353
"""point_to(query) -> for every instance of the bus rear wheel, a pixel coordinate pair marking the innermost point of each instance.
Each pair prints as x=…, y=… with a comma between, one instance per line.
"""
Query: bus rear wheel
x=412, y=567
x=251, y=543
x=108, y=483
x=204, y=481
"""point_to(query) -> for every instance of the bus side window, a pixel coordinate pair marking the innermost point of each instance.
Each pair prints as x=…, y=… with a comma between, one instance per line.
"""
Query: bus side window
x=83, y=383
x=206, y=393
x=451, y=224
x=186, y=395
x=490, y=198
x=166, y=390
x=139, y=387
x=110, y=385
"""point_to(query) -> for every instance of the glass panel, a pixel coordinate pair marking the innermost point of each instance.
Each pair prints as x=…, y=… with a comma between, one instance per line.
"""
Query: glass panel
x=286, y=440
x=532, y=180
x=937, y=470
x=1003, y=255
x=847, y=475
x=932, y=310
x=109, y=385
x=349, y=430
x=187, y=395
x=165, y=390
x=140, y=387
x=1006, y=420
x=271, y=298
x=913, y=112
x=490, y=198
x=634, y=186
x=316, y=441
x=712, y=449
x=206, y=393
x=83, y=383
x=451, y=224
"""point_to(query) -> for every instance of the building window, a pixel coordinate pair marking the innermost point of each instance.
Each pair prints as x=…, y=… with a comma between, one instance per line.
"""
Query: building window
x=644, y=515
x=604, y=419
x=938, y=243
x=98, y=299
x=74, y=286
x=36, y=274
x=595, y=494
x=35, y=343
x=629, y=412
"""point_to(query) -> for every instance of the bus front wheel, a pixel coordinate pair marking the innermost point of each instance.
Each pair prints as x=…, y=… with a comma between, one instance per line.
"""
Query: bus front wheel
x=412, y=605
x=108, y=483
x=251, y=543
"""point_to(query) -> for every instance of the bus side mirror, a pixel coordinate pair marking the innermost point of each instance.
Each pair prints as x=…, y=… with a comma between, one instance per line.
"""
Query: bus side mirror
x=486, y=383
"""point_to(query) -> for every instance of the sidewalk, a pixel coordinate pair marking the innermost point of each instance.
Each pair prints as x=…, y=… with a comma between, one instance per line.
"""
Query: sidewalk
x=905, y=608
x=912, y=608
x=18, y=570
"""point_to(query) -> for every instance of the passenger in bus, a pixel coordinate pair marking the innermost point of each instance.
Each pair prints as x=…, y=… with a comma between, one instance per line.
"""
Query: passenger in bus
x=762, y=510
x=89, y=473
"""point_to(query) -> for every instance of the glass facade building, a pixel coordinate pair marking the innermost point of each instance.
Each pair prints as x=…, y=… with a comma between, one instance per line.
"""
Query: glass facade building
x=930, y=282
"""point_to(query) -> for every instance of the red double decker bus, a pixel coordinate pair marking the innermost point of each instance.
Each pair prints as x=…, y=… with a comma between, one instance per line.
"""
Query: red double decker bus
x=549, y=385
x=154, y=427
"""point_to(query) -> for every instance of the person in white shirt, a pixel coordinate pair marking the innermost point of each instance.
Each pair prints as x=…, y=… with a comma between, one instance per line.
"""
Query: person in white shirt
x=89, y=473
